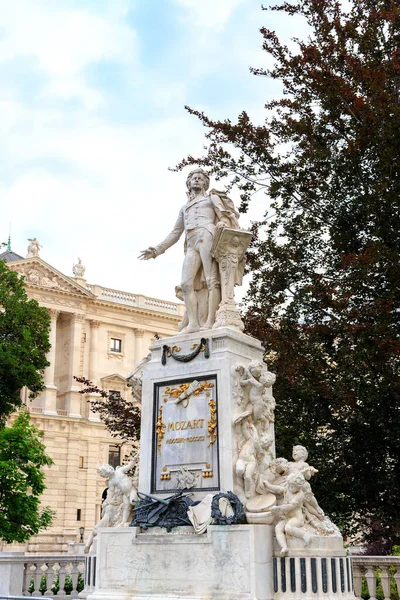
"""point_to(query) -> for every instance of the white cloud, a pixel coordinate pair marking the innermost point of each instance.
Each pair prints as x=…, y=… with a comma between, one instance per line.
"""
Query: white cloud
x=62, y=42
x=209, y=13
x=84, y=184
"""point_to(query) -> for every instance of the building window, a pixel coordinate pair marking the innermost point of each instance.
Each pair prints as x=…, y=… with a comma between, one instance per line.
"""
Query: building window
x=114, y=456
x=115, y=393
x=78, y=514
x=81, y=462
x=115, y=345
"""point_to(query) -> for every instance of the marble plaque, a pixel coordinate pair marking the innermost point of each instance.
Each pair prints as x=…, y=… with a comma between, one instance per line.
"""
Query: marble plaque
x=185, y=435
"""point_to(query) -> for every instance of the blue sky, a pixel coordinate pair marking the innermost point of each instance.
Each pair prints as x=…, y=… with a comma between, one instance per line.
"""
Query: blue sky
x=92, y=115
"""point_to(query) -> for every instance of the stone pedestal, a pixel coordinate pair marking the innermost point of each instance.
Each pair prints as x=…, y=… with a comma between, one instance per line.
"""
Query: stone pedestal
x=192, y=409
x=196, y=432
x=226, y=563
x=11, y=574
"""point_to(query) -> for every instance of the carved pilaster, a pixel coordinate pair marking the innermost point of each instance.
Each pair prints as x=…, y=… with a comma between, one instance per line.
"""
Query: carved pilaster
x=49, y=397
x=94, y=339
x=73, y=397
x=139, y=333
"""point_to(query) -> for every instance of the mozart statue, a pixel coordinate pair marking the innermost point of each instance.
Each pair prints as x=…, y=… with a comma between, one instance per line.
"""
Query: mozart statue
x=201, y=218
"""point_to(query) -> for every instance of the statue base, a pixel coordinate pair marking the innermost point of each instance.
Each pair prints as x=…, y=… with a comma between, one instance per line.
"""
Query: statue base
x=225, y=563
x=228, y=316
x=190, y=441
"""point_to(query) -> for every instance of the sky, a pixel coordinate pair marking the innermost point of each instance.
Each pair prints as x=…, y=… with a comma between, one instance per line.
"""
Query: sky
x=92, y=116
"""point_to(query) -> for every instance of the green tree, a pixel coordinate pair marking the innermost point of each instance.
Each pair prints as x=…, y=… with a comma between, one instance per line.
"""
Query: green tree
x=120, y=416
x=324, y=295
x=22, y=456
x=24, y=342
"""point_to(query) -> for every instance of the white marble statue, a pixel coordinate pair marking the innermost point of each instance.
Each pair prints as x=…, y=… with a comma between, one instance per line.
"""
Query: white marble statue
x=291, y=519
x=275, y=474
x=111, y=515
x=253, y=425
x=299, y=512
x=118, y=480
x=255, y=379
x=33, y=248
x=251, y=454
x=200, y=219
x=78, y=269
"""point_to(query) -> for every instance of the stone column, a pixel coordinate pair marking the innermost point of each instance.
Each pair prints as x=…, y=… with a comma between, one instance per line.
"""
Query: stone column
x=74, y=494
x=50, y=395
x=139, y=333
x=94, y=341
x=73, y=398
x=93, y=357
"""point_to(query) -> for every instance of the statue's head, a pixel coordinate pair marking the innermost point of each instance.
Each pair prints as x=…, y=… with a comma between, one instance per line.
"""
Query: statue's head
x=256, y=368
x=280, y=465
x=299, y=453
x=105, y=470
x=198, y=178
x=266, y=440
x=295, y=482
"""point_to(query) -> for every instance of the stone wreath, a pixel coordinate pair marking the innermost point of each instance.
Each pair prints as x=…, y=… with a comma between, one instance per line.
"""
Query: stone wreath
x=238, y=517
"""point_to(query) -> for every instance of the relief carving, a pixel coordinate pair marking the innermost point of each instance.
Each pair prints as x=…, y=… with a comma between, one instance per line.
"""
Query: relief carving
x=252, y=390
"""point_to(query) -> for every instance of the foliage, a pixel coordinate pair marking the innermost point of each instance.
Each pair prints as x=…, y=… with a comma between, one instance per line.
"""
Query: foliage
x=22, y=455
x=24, y=342
x=324, y=295
x=55, y=588
x=121, y=417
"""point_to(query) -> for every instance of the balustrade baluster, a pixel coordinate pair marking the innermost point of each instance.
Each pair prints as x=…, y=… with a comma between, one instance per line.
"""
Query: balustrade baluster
x=51, y=580
x=36, y=579
x=43, y=569
x=370, y=576
x=397, y=579
x=74, y=576
x=358, y=573
x=61, y=576
x=385, y=578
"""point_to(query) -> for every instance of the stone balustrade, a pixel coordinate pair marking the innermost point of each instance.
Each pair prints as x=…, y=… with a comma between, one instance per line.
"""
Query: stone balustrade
x=41, y=575
x=29, y=576
x=370, y=567
x=136, y=300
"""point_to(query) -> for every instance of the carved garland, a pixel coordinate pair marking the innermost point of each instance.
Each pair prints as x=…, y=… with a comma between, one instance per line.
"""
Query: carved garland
x=176, y=392
x=160, y=428
x=212, y=423
x=168, y=351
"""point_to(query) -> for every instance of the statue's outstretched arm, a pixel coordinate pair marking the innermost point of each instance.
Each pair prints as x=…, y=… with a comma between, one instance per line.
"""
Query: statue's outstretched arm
x=170, y=240
x=128, y=466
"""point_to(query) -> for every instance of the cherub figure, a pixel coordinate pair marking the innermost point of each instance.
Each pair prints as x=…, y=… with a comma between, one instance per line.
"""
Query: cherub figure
x=312, y=510
x=291, y=518
x=299, y=465
x=255, y=380
x=249, y=455
x=119, y=480
x=275, y=475
x=111, y=515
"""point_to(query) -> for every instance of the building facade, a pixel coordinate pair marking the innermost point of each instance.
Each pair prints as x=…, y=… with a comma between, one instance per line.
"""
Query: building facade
x=100, y=334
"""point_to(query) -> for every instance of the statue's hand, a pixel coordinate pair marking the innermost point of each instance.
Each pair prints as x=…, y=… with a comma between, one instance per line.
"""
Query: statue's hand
x=221, y=225
x=148, y=253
